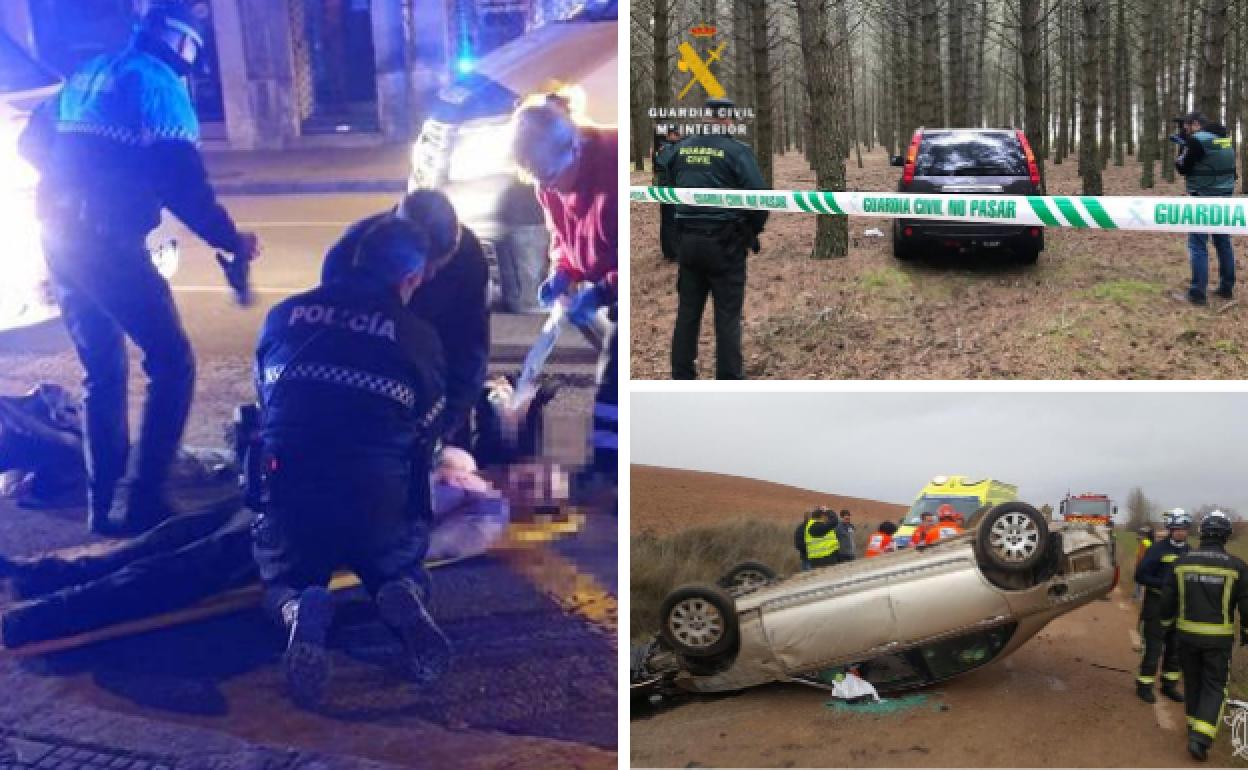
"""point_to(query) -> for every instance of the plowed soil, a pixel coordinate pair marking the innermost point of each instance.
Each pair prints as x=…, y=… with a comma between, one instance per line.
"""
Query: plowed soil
x=1096, y=306
x=665, y=500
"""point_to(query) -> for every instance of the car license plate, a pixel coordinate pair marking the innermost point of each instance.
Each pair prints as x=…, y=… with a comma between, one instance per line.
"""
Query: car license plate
x=990, y=244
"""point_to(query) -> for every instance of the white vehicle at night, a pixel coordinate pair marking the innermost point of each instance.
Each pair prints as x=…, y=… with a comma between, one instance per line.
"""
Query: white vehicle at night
x=464, y=148
x=25, y=296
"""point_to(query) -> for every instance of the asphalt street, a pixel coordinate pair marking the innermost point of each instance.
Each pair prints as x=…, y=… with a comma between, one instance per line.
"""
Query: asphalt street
x=535, y=679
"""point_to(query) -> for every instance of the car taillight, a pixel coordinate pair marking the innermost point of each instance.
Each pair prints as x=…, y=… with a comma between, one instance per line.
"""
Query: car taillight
x=1032, y=169
x=1035, y=232
x=907, y=174
x=907, y=231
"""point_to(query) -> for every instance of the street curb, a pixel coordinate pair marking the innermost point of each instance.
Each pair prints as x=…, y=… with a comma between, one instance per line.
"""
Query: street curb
x=311, y=188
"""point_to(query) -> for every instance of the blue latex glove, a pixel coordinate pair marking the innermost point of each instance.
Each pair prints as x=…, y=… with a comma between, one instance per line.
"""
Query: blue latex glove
x=553, y=288
x=584, y=305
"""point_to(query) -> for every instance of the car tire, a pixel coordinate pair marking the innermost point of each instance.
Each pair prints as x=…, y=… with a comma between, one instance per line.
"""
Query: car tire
x=1012, y=537
x=699, y=621
x=1028, y=255
x=746, y=577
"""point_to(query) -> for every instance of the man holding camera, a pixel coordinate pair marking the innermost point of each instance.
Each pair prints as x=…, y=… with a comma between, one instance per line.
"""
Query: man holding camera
x=1207, y=162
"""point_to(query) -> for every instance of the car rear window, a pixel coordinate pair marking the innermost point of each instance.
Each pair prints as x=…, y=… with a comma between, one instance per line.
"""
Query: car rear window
x=954, y=153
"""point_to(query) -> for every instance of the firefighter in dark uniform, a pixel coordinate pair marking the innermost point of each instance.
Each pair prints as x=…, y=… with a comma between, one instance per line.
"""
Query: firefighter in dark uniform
x=1201, y=598
x=1160, y=645
x=351, y=386
x=713, y=242
x=117, y=145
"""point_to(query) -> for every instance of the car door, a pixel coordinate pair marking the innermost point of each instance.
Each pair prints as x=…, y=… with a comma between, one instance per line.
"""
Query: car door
x=831, y=619
x=943, y=592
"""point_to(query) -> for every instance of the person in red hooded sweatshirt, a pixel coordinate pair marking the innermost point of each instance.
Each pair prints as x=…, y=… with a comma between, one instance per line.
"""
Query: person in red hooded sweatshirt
x=576, y=171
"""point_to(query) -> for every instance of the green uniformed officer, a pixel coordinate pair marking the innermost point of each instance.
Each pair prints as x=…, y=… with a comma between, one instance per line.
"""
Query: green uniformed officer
x=1201, y=598
x=667, y=211
x=1160, y=645
x=713, y=241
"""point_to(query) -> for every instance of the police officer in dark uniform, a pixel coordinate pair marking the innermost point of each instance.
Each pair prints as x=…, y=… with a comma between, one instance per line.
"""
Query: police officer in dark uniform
x=1206, y=589
x=351, y=385
x=116, y=146
x=1207, y=163
x=1160, y=644
x=713, y=242
x=453, y=299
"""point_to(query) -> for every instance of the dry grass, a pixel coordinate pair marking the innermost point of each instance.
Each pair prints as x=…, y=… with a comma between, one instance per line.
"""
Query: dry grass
x=700, y=555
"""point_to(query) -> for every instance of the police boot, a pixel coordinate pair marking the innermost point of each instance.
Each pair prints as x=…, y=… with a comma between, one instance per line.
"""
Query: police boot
x=1145, y=692
x=428, y=651
x=1198, y=750
x=306, y=662
x=1171, y=691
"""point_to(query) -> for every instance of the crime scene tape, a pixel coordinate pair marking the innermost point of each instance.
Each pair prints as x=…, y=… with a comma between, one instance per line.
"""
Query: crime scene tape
x=1174, y=215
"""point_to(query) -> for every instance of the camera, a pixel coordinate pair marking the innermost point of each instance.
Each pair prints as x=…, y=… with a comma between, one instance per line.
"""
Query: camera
x=1179, y=137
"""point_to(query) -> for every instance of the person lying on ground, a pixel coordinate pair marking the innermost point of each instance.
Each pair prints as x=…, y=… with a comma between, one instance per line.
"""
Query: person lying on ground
x=192, y=557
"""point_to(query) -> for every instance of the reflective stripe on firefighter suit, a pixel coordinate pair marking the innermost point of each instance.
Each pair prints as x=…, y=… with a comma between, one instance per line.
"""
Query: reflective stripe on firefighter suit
x=1200, y=600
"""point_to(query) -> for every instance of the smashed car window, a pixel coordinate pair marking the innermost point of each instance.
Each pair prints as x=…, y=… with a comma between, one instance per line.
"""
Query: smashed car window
x=963, y=154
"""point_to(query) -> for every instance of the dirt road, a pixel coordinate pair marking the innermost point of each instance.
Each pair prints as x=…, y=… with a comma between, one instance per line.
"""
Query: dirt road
x=1096, y=306
x=1057, y=702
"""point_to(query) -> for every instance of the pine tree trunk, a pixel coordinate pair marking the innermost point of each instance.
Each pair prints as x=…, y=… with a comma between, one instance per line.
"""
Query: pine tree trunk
x=1029, y=45
x=1121, y=84
x=1106, y=82
x=1089, y=156
x=761, y=63
x=1150, y=126
x=933, y=103
x=742, y=75
x=1063, y=64
x=823, y=64
x=1213, y=55
x=957, y=74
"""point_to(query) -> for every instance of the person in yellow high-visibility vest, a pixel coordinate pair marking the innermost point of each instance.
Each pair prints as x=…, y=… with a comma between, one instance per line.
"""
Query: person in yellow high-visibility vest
x=823, y=548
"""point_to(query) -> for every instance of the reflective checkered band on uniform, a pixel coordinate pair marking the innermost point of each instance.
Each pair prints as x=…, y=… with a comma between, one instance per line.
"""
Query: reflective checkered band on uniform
x=347, y=377
x=126, y=136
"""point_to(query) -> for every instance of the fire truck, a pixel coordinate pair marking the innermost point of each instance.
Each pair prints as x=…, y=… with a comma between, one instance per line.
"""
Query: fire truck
x=1089, y=508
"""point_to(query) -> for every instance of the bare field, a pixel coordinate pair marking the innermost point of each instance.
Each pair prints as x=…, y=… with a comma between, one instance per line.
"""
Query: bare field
x=1097, y=305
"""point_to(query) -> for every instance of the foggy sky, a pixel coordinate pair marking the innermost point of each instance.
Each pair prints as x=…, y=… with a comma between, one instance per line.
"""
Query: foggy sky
x=1183, y=449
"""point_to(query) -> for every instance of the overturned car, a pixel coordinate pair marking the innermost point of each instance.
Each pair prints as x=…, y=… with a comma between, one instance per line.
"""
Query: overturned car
x=901, y=620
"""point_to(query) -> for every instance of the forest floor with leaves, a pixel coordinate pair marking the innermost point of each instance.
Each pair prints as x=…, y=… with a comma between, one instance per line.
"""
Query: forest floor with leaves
x=1096, y=306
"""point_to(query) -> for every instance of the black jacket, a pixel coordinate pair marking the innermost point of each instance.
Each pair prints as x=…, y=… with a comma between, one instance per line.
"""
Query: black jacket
x=1157, y=564
x=456, y=304
x=716, y=162
x=799, y=539
x=344, y=371
x=1215, y=587
x=1193, y=150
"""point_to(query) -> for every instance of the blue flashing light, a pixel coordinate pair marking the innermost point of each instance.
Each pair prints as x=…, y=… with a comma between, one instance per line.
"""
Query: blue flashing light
x=464, y=65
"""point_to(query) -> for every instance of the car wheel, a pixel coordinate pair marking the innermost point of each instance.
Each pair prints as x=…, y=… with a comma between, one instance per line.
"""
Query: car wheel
x=699, y=621
x=1012, y=537
x=1028, y=255
x=746, y=577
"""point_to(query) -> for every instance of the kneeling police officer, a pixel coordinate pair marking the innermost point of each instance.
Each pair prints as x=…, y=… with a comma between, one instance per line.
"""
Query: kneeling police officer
x=351, y=385
x=1201, y=597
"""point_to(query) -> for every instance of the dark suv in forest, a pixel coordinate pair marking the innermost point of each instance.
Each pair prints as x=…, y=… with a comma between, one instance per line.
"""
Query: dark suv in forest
x=963, y=161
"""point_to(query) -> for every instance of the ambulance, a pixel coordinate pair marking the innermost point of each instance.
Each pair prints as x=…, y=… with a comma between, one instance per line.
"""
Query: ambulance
x=967, y=496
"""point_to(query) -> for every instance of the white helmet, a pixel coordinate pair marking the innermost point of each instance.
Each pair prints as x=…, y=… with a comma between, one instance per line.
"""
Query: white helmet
x=1179, y=519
